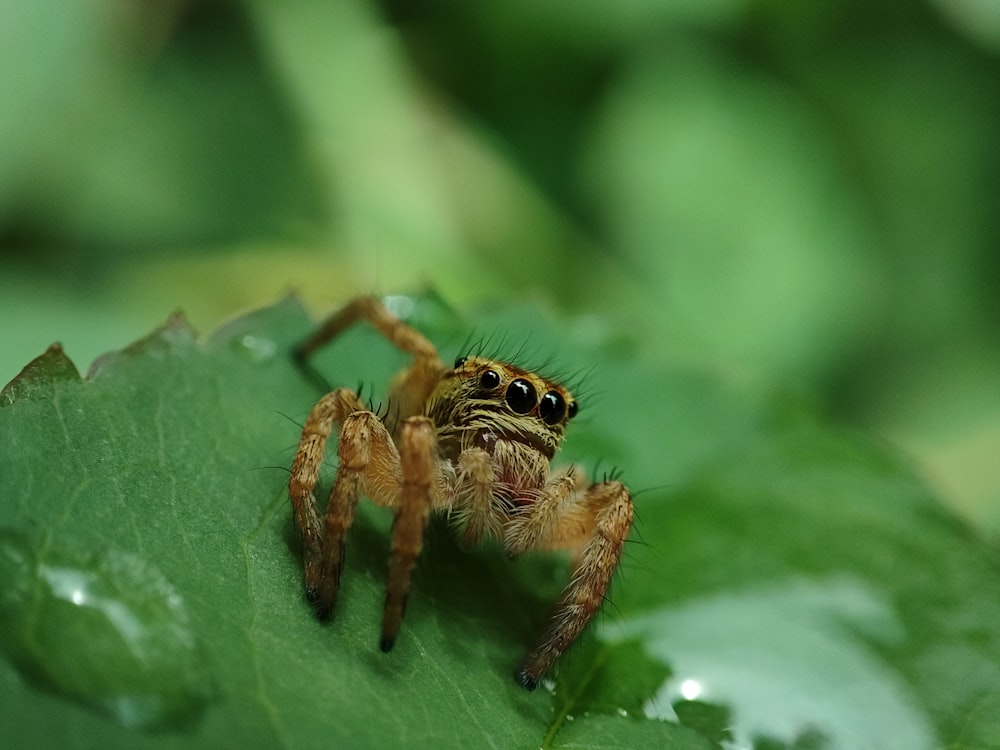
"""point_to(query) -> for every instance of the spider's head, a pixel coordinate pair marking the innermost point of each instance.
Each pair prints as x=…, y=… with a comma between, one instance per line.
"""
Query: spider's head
x=482, y=400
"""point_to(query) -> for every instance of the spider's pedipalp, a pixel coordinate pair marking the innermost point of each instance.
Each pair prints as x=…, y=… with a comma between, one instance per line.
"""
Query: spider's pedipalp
x=474, y=503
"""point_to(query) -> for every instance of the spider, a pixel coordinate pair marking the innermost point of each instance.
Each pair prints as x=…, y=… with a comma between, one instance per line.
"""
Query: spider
x=474, y=441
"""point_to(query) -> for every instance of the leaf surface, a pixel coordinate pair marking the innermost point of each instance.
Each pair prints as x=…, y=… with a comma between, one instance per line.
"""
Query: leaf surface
x=786, y=585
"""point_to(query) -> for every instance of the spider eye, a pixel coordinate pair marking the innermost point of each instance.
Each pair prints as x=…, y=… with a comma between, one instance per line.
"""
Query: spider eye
x=489, y=379
x=573, y=408
x=521, y=397
x=459, y=362
x=552, y=408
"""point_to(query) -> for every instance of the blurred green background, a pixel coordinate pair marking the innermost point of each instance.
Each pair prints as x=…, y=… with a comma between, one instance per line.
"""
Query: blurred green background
x=803, y=194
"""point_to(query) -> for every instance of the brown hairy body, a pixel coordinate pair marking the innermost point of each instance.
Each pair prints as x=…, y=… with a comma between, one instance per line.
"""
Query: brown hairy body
x=475, y=441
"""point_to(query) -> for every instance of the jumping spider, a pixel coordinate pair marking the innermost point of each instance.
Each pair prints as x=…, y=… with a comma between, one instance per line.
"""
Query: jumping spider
x=473, y=440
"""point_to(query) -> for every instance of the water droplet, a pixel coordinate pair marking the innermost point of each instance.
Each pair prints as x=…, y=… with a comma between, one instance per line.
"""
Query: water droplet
x=106, y=630
x=258, y=348
x=691, y=689
x=400, y=306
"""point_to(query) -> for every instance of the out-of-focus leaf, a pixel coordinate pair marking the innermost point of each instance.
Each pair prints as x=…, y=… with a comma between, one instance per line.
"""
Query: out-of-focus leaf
x=722, y=189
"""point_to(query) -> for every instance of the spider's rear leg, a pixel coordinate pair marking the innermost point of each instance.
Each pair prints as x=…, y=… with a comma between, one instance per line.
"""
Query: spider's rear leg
x=413, y=385
x=605, y=512
x=419, y=471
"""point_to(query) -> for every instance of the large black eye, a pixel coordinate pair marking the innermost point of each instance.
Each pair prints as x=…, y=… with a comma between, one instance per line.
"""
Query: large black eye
x=489, y=379
x=459, y=362
x=574, y=407
x=552, y=408
x=521, y=396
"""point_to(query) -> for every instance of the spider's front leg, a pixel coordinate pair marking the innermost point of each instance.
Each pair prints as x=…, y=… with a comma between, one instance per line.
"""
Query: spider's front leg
x=369, y=463
x=329, y=412
x=420, y=472
x=598, y=523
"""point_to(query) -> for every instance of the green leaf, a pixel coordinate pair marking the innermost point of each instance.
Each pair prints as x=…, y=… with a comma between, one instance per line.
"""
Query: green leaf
x=785, y=586
x=813, y=587
x=140, y=664
x=51, y=366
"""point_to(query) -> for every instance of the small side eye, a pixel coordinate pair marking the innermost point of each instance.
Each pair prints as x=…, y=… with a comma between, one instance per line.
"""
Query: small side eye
x=573, y=408
x=489, y=379
x=460, y=361
x=521, y=397
x=552, y=408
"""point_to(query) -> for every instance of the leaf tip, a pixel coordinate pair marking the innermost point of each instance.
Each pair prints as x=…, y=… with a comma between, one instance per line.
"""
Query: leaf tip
x=39, y=374
x=175, y=331
x=174, y=334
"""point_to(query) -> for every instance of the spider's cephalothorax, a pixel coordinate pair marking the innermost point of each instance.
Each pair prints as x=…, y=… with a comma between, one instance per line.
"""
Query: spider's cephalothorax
x=482, y=401
x=474, y=441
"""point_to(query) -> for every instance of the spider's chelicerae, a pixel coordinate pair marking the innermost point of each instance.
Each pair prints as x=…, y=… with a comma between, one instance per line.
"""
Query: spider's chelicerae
x=474, y=441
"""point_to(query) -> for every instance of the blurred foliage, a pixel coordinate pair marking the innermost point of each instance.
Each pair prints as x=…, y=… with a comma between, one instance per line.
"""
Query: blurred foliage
x=803, y=193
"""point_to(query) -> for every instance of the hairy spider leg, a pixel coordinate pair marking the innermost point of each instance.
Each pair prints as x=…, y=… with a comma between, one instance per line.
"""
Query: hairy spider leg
x=369, y=463
x=413, y=386
x=474, y=509
x=505, y=491
x=419, y=471
x=368, y=308
x=602, y=519
x=329, y=411
x=364, y=439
